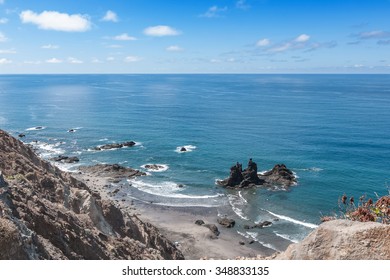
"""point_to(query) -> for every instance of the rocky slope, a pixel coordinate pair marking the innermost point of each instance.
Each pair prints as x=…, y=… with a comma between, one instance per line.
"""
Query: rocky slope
x=343, y=240
x=47, y=214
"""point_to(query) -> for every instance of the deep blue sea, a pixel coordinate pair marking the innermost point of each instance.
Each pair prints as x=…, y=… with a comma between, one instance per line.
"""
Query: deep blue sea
x=333, y=131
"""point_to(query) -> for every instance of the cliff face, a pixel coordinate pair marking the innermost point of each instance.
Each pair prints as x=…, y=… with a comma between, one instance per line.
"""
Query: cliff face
x=342, y=240
x=47, y=214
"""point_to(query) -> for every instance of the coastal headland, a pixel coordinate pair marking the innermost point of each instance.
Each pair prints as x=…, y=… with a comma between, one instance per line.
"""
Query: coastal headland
x=46, y=213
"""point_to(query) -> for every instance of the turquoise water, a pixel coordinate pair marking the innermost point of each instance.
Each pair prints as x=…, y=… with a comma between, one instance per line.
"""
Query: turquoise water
x=331, y=130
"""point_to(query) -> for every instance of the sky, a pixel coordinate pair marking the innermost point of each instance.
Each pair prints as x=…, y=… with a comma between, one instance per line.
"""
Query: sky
x=194, y=36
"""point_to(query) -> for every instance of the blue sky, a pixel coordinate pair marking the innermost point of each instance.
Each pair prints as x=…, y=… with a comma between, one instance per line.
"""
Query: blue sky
x=194, y=36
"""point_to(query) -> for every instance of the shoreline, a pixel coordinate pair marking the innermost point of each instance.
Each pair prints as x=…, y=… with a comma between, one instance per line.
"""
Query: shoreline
x=178, y=224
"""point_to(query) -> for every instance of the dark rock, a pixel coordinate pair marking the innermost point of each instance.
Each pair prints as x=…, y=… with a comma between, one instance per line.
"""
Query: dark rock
x=241, y=242
x=263, y=224
x=226, y=222
x=199, y=222
x=251, y=242
x=116, y=172
x=3, y=183
x=180, y=186
x=38, y=127
x=155, y=167
x=72, y=130
x=66, y=159
x=115, y=146
x=21, y=135
x=213, y=228
x=280, y=175
x=183, y=149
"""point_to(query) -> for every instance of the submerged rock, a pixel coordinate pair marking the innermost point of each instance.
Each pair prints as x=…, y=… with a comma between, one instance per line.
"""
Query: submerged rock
x=66, y=159
x=238, y=178
x=114, y=171
x=115, y=146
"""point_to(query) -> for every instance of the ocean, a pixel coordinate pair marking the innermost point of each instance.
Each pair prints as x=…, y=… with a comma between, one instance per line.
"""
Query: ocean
x=331, y=130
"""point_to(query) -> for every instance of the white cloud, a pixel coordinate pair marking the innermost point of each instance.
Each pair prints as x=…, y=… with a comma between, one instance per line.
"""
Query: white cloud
x=3, y=38
x=302, y=38
x=32, y=62
x=52, y=20
x=174, y=49
x=263, y=42
x=160, y=31
x=96, y=60
x=214, y=11
x=74, y=60
x=133, y=58
x=54, y=60
x=376, y=34
x=114, y=46
x=3, y=20
x=241, y=4
x=9, y=51
x=50, y=47
x=110, y=58
x=124, y=37
x=110, y=16
x=5, y=61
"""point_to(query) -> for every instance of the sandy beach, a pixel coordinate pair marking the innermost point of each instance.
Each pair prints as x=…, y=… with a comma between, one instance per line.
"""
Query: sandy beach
x=178, y=224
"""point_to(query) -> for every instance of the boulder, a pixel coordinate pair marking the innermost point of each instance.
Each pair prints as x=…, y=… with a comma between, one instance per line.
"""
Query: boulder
x=199, y=222
x=226, y=222
x=183, y=149
x=213, y=228
x=21, y=135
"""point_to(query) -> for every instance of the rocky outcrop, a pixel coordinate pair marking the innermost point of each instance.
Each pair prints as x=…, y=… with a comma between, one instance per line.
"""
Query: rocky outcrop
x=342, y=240
x=115, y=146
x=65, y=159
x=48, y=214
x=280, y=175
x=115, y=171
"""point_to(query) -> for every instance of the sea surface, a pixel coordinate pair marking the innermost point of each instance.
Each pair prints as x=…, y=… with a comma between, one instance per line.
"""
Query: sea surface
x=333, y=131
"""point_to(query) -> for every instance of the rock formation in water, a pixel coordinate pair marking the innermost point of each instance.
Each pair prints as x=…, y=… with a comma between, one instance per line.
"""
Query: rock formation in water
x=115, y=146
x=47, y=214
x=280, y=175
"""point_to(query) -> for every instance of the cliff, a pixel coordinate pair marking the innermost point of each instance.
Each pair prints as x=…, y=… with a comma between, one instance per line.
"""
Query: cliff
x=342, y=240
x=47, y=214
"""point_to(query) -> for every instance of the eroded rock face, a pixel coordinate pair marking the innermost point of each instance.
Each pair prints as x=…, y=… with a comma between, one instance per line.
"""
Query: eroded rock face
x=343, y=240
x=280, y=175
x=47, y=214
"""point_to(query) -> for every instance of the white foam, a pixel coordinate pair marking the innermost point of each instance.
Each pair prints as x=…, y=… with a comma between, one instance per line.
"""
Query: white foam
x=189, y=148
x=103, y=139
x=166, y=189
x=161, y=167
x=253, y=236
x=243, y=199
x=47, y=150
x=235, y=202
x=285, y=236
x=312, y=169
x=36, y=128
x=289, y=219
